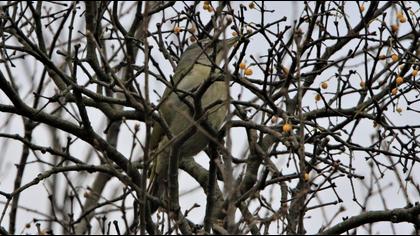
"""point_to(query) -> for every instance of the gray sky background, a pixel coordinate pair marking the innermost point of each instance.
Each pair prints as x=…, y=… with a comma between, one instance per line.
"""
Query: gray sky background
x=36, y=197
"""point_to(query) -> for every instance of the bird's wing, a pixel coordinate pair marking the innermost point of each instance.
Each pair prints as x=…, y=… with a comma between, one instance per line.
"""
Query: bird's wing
x=178, y=75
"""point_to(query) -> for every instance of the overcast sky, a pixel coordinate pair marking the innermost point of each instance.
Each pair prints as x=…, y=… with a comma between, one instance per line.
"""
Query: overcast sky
x=38, y=194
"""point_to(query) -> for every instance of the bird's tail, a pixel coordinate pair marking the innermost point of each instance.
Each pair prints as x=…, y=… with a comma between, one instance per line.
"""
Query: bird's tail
x=158, y=183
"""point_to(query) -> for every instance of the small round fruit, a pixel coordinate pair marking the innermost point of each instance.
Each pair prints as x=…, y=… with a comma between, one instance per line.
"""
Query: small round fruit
x=248, y=71
x=177, y=30
x=403, y=19
x=242, y=66
x=414, y=73
x=362, y=7
x=318, y=97
x=394, y=91
x=324, y=85
x=394, y=28
x=192, y=30
x=287, y=127
x=394, y=57
x=399, y=109
x=399, y=80
x=251, y=5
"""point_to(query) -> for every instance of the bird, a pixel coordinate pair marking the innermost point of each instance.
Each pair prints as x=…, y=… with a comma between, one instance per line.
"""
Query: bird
x=194, y=67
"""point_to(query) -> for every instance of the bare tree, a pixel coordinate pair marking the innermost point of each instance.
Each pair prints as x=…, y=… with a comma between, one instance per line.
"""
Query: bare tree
x=320, y=133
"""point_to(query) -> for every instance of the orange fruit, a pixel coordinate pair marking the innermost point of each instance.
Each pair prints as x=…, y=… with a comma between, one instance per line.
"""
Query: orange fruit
x=242, y=66
x=394, y=28
x=177, y=30
x=399, y=80
x=394, y=91
x=394, y=57
x=248, y=71
x=414, y=73
x=287, y=127
x=402, y=19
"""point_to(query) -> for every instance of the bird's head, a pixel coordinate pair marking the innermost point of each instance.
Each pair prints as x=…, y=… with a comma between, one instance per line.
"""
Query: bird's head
x=207, y=47
x=220, y=45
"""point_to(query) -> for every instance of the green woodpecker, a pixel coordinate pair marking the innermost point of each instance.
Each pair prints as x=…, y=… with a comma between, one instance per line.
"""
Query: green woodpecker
x=194, y=67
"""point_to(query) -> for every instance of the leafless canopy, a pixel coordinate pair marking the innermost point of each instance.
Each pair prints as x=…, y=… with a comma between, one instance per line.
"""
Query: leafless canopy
x=321, y=135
